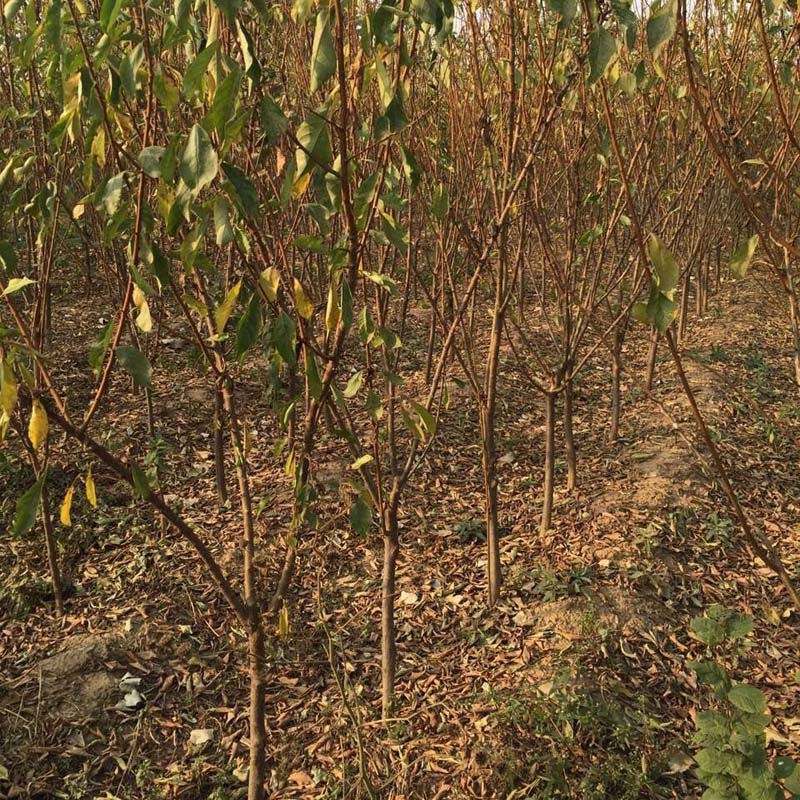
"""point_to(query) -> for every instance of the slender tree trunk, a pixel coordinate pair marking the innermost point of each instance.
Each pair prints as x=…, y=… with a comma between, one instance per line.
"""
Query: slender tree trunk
x=151, y=419
x=549, y=460
x=684, y=315
x=719, y=266
x=489, y=465
x=52, y=553
x=219, y=447
x=490, y=455
x=432, y=334
x=391, y=549
x=651, y=357
x=258, y=733
x=569, y=439
x=616, y=388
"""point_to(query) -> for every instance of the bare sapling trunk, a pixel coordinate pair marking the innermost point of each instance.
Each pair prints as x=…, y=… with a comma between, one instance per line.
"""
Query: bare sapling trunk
x=684, y=313
x=219, y=448
x=52, y=553
x=651, y=358
x=258, y=733
x=489, y=460
x=391, y=549
x=549, y=460
x=489, y=466
x=616, y=387
x=569, y=438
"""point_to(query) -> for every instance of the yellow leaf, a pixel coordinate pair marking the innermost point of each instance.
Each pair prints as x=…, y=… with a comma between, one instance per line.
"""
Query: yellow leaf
x=91, y=490
x=333, y=311
x=300, y=185
x=37, y=427
x=773, y=616
x=66, y=507
x=8, y=389
x=144, y=322
x=269, y=281
x=305, y=308
x=283, y=622
x=225, y=308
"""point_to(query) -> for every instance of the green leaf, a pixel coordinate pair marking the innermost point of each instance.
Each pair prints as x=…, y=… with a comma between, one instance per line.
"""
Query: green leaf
x=323, y=53
x=792, y=782
x=312, y=376
x=411, y=167
x=273, y=120
x=199, y=161
x=602, y=48
x=742, y=256
x=661, y=27
x=428, y=420
x=360, y=517
x=150, y=160
x=566, y=10
x=28, y=507
x=440, y=204
x=15, y=284
x=353, y=385
x=224, y=103
x=109, y=11
x=708, y=631
x=284, y=337
x=8, y=257
x=128, y=68
x=195, y=73
x=112, y=194
x=141, y=486
x=222, y=223
x=739, y=625
x=664, y=265
x=313, y=135
x=707, y=671
x=747, y=698
x=249, y=327
x=639, y=313
x=241, y=190
x=166, y=90
x=252, y=67
x=783, y=767
x=98, y=350
x=135, y=364
x=715, y=762
x=661, y=310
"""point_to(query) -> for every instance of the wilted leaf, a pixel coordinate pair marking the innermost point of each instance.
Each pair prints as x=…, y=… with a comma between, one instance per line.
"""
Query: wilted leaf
x=38, y=425
x=66, y=507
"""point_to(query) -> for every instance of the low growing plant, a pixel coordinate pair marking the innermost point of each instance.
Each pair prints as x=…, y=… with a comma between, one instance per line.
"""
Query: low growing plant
x=732, y=761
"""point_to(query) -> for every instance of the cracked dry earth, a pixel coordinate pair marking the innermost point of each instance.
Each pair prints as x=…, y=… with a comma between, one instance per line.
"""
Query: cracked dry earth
x=594, y=616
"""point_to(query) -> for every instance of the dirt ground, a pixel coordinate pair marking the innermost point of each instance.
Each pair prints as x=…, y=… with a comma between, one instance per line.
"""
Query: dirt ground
x=575, y=685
